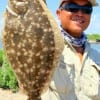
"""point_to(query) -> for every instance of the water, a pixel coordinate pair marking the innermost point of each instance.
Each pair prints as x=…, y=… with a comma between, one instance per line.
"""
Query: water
x=96, y=46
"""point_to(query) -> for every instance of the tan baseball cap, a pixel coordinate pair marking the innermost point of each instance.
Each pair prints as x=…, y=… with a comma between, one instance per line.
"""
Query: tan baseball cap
x=93, y=2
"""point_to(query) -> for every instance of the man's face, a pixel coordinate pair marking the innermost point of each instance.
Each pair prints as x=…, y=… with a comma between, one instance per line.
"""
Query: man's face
x=74, y=22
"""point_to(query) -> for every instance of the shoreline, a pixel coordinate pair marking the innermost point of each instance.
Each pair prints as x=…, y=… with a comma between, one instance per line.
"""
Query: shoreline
x=94, y=42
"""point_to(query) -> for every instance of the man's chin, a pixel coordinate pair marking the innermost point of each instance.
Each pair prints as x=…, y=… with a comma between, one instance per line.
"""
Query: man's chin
x=78, y=30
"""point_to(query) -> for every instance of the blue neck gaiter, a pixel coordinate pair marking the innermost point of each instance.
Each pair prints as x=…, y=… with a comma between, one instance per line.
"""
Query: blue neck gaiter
x=78, y=42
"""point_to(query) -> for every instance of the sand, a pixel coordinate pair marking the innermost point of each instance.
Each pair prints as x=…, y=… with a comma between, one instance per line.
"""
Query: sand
x=9, y=95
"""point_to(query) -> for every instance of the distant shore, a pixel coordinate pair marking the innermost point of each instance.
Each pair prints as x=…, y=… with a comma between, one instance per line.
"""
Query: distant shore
x=93, y=41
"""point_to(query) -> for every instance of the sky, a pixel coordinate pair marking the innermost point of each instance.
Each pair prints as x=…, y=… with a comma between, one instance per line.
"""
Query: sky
x=94, y=26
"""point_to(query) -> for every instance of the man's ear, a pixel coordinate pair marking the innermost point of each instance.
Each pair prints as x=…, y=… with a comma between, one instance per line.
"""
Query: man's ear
x=58, y=12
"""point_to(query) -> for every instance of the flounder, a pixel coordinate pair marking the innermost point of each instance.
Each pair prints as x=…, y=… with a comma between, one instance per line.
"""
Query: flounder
x=33, y=44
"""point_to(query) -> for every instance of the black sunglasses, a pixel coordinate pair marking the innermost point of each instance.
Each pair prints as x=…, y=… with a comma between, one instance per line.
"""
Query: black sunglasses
x=73, y=7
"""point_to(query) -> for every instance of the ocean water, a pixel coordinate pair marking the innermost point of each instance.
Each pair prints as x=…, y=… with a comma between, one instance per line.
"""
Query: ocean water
x=96, y=46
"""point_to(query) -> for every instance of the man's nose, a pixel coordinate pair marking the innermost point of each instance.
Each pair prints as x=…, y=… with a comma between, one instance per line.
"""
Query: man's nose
x=80, y=12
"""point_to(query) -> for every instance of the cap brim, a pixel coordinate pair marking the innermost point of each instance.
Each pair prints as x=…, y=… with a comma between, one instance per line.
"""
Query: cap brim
x=93, y=2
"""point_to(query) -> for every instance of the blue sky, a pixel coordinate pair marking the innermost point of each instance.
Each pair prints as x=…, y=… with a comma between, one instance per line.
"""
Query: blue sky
x=94, y=26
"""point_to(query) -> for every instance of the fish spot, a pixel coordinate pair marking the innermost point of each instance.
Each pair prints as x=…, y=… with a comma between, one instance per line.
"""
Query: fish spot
x=12, y=51
x=38, y=54
x=18, y=54
x=29, y=60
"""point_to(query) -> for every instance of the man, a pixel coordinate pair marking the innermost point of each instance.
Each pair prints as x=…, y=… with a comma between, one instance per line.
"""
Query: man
x=78, y=75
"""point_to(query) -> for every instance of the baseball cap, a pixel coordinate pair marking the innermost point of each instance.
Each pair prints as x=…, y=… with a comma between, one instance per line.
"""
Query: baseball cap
x=93, y=2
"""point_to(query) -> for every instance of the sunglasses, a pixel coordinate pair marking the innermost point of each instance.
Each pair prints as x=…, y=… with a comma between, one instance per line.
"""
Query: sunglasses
x=73, y=7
